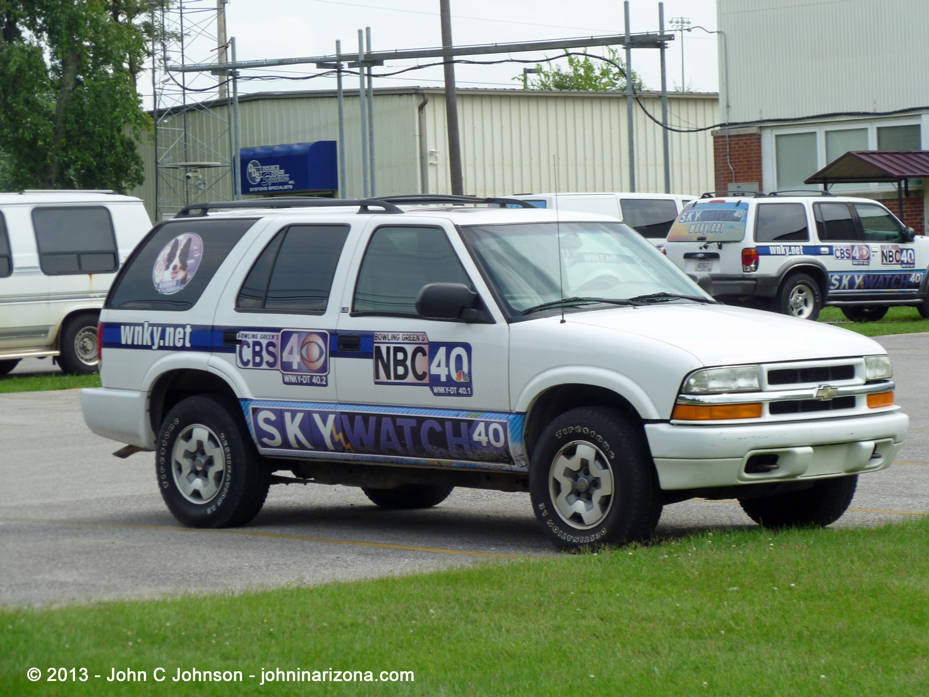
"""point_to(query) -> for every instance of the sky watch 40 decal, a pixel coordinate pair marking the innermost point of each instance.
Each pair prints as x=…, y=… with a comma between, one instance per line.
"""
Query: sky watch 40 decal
x=409, y=358
x=302, y=357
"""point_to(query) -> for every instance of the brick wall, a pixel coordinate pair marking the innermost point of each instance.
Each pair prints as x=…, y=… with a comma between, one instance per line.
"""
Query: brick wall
x=744, y=155
x=914, y=212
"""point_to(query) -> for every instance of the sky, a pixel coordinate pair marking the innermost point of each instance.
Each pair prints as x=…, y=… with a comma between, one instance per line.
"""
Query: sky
x=274, y=29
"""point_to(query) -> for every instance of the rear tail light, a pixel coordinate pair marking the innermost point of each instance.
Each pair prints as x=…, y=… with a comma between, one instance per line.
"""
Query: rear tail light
x=749, y=259
x=99, y=343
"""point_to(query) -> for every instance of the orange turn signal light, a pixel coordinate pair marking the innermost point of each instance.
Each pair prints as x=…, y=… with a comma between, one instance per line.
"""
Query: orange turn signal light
x=881, y=399
x=716, y=412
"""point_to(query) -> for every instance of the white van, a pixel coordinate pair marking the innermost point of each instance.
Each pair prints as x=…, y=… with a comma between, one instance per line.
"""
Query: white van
x=59, y=253
x=651, y=215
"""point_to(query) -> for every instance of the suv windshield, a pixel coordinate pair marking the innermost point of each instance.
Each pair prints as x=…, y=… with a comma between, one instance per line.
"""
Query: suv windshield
x=608, y=262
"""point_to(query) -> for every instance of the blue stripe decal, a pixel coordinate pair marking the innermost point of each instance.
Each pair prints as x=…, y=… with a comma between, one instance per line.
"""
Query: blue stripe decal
x=403, y=435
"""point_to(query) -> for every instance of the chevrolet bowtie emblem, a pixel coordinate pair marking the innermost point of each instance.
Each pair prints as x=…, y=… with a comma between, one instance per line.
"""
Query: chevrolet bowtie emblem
x=826, y=393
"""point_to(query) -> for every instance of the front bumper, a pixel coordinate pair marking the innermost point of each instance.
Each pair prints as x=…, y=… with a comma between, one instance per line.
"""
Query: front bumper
x=694, y=457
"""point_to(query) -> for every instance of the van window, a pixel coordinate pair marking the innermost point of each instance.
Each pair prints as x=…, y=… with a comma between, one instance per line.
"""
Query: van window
x=651, y=218
x=171, y=268
x=834, y=222
x=75, y=240
x=398, y=262
x=6, y=257
x=781, y=222
x=294, y=272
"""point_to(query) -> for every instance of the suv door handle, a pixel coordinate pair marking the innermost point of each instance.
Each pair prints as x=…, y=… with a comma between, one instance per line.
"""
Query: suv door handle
x=230, y=338
x=348, y=342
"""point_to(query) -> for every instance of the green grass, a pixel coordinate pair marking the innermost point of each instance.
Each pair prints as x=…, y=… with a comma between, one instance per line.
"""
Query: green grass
x=898, y=320
x=47, y=381
x=745, y=612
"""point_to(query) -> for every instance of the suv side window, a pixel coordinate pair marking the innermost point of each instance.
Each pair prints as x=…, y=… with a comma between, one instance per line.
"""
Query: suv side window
x=834, y=222
x=294, y=272
x=171, y=268
x=75, y=240
x=650, y=218
x=398, y=262
x=6, y=256
x=877, y=224
x=781, y=222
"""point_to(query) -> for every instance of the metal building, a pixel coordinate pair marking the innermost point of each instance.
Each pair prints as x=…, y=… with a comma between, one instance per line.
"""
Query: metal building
x=512, y=141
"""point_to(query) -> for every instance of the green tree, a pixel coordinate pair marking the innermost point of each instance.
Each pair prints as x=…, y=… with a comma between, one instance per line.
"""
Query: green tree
x=70, y=116
x=584, y=73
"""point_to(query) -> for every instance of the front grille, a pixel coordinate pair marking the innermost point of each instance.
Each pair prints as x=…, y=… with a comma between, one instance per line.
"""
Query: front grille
x=807, y=405
x=811, y=374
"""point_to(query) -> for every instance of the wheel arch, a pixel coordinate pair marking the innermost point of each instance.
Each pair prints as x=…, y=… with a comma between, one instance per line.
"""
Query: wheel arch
x=173, y=386
x=815, y=271
x=70, y=317
x=559, y=399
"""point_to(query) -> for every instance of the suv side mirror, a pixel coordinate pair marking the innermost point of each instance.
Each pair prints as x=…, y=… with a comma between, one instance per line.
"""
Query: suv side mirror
x=909, y=234
x=450, y=301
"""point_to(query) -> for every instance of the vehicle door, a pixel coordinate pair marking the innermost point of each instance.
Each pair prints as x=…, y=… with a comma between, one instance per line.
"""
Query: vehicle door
x=414, y=387
x=277, y=317
x=893, y=250
x=24, y=320
x=848, y=257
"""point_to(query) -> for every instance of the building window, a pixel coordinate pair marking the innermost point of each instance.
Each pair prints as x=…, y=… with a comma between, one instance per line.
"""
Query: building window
x=796, y=160
x=898, y=138
x=840, y=142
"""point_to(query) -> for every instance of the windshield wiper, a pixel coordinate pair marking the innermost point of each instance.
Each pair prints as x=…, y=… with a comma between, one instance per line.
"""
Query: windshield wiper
x=667, y=297
x=576, y=300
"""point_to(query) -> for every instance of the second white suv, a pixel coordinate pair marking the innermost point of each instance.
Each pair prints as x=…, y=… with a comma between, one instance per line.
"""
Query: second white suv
x=799, y=253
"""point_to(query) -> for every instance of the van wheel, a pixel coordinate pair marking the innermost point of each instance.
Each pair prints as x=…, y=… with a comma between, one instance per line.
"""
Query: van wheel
x=7, y=366
x=820, y=505
x=592, y=481
x=209, y=472
x=864, y=313
x=799, y=296
x=409, y=496
x=78, y=351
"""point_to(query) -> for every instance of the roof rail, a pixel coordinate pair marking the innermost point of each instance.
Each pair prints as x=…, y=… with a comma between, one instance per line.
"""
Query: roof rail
x=801, y=192
x=67, y=191
x=454, y=199
x=730, y=194
x=201, y=209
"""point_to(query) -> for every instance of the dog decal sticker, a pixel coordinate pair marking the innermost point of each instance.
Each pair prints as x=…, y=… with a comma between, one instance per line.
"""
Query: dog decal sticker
x=177, y=263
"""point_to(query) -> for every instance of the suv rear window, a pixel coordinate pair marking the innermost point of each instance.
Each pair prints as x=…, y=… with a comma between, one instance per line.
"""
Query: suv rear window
x=834, y=222
x=294, y=272
x=174, y=264
x=711, y=221
x=781, y=222
x=650, y=218
x=75, y=240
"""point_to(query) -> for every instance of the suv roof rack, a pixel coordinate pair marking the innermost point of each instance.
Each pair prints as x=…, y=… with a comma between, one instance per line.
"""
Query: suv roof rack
x=801, y=192
x=730, y=194
x=455, y=199
x=201, y=209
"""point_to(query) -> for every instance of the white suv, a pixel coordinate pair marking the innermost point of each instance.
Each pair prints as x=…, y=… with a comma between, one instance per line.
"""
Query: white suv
x=797, y=253
x=408, y=350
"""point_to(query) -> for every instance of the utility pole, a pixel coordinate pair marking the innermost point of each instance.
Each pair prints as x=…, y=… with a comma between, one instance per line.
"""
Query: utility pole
x=451, y=102
x=681, y=24
x=221, y=47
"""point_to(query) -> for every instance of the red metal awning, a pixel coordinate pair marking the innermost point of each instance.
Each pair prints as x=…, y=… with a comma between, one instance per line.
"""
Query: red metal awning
x=874, y=166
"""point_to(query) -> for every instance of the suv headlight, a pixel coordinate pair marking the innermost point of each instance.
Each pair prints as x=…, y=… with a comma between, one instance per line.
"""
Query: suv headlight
x=744, y=378
x=878, y=368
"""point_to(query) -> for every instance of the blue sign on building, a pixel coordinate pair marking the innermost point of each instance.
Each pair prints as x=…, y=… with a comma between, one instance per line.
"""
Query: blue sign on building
x=270, y=169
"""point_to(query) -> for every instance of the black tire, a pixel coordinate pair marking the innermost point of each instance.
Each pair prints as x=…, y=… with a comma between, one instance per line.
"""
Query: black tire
x=799, y=296
x=821, y=505
x=223, y=481
x=924, y=309
x=864, y=313
x=7, y=366
x=78, y=345
x=409, y=496
x=580, y=455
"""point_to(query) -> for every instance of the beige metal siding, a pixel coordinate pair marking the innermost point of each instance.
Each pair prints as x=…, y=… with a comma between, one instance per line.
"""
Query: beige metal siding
x=522, y=142
x=798, y=59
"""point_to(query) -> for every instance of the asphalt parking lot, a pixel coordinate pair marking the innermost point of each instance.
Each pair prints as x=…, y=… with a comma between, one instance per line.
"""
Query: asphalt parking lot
x=77, y=524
